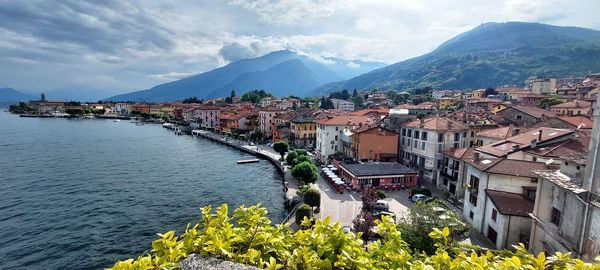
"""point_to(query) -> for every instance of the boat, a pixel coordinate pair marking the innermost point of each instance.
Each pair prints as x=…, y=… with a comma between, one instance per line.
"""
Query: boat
x=116, y=120
x=248, y=161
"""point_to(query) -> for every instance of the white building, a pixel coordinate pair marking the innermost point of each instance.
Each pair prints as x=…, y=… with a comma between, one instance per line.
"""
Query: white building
x=207, y=116
x=499, y=196
x=422, y=142
x=265, y=119
x=121, y=108
x=343, y=105
x=329, y=132
x=266, y=102
x=542, y=86
x=566, y=217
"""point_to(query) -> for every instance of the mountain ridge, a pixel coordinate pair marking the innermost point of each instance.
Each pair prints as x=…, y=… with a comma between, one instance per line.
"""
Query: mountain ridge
x=491, y=54
x=241, y=76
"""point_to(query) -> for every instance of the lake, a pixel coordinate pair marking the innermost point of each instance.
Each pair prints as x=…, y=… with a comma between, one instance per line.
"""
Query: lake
x=82, y=194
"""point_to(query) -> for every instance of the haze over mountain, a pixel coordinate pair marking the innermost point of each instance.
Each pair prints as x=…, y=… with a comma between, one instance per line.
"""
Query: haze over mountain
x=12, y=95
x=491, y=54
x=281, y=73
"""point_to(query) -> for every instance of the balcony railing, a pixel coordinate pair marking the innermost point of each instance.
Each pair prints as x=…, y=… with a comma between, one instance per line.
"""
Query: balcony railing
x=447, y=176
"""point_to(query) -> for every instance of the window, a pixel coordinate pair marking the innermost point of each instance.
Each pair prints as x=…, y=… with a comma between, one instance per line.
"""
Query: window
x=456, y=137
x=403, y=132
x=456, y=145
x=402, y=141
x=416, y=134
x=471, y=215
x=424, y=135
x=519, y=117
x=464, y=134
x=336, y=129
x=423, y=147
x=336, y=137
x=473, y=199
x=440, y=137
x=555, y=218
x=415, y=144
x=529, y=193
x=410, y=133
x=494, y=214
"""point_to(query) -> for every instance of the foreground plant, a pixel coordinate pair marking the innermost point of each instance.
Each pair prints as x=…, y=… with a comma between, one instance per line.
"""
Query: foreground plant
x=254, y=241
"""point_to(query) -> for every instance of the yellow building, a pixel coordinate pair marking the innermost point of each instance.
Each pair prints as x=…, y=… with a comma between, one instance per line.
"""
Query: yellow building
x=447, y=102
x=303, y=131
x=498, y=107
x=167, y=109
x=479, y=93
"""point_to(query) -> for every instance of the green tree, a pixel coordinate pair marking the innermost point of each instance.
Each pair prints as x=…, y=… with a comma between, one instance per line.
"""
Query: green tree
x=547, y=102
x=305, y=171
x=421, y=116
x=354, y=93
x=358, y=102
x=326, y=104
x=490, y=91
x=423, y=218
x=300, y=159
x=232, y=94
x=312, y=197
x=281, y=147
x=289, y=159
x=304, y=210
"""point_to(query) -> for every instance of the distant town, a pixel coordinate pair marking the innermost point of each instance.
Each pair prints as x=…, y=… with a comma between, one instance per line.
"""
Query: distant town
x=512, y=159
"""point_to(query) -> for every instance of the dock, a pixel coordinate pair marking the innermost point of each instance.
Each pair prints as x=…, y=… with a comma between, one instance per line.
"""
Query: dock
x=248, y=161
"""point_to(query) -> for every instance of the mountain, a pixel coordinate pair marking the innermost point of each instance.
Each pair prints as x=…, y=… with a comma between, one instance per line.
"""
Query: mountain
x=491, y=54
x=281, y=72
x=12, y=95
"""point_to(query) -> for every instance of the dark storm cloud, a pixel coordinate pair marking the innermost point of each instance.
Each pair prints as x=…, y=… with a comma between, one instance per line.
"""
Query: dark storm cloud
x=106, y=27
x=235, y=51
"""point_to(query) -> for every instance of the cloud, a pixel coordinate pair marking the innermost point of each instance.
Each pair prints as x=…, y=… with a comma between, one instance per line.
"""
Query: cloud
x=235, y=51
x=126, y=44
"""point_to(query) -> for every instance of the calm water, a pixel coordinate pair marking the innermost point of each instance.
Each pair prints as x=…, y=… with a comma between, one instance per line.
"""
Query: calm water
x=81, y=194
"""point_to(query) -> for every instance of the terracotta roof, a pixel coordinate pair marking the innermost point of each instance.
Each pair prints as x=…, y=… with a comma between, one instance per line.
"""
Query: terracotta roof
x=533, y=111
x=372, y=126
x=519, y=168
x=367, y=111
x=562, y=180
x=378, y=169
x=437, y=123
x=584, y=121
x=343, y=120
x=523, y=141
x=460, y=153
x=572, y=104
x=484, y=100
x=271, y=109
x=573, y=146
x=511, y=204
x=501, y=132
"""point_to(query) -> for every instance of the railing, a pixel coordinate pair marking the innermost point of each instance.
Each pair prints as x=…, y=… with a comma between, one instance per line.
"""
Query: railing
x=447, y=176
x=289, y=216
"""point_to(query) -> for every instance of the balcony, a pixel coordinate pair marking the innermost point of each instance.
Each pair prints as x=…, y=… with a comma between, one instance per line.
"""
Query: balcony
x=449, y=177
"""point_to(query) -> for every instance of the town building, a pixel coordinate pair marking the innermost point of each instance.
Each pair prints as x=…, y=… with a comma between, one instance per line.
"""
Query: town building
x=343, y=105
x=499, y=196
x=303, y=130
x=378, y=174
x=490, y=136
x=266, y=120
x=542, y=85
x=329, y=131
x=524, y=116
x=446, y=102
x=207, y=116
x=566, y=217
x=575, y=107
x=452, y=172
x=374, y=143
x=423, y=141
x=478, y=94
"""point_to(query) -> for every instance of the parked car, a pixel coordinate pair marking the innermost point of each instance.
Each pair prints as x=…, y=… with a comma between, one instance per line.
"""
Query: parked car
x=379, y=214
x=381, y=205
x=419, y=197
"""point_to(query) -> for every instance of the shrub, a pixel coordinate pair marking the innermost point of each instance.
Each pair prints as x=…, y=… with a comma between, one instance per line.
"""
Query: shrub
x=312, y=197
x=248, y=237
x=304, y=210
x=381, y=194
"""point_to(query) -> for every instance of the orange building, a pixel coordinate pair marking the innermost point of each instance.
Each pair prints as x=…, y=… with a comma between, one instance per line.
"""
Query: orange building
x=374, y=143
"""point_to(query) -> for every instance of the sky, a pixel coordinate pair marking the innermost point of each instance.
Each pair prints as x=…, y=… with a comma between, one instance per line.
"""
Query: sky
x=117, y=46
